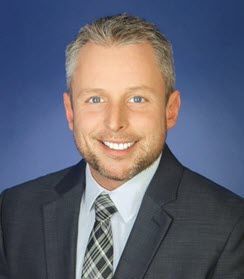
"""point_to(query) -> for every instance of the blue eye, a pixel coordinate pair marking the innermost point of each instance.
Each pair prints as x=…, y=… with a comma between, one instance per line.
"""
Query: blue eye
x=137, y=99
x=95, y=100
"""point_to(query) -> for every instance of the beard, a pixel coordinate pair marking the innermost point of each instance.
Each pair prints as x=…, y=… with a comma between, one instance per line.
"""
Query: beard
x=145, y=155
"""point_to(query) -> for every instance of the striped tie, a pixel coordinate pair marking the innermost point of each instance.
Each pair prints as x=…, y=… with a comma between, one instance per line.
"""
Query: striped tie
x=98, y=260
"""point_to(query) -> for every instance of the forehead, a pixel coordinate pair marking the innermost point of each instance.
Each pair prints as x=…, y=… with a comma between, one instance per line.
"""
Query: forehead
x=117, y=66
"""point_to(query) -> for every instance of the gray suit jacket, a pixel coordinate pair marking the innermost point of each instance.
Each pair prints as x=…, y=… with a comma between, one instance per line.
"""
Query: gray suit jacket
x=187, y=228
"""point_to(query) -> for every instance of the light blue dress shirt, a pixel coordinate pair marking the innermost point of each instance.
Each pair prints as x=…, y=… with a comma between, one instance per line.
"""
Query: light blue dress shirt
x=127, y=199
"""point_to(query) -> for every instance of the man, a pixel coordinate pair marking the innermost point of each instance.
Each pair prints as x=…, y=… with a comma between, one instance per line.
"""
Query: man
x=129, y=209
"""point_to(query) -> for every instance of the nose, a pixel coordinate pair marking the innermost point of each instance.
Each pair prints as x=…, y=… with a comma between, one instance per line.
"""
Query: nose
x=116, y=117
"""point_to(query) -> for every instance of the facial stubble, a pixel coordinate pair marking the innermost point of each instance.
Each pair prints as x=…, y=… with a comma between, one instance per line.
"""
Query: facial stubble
x=142, y=160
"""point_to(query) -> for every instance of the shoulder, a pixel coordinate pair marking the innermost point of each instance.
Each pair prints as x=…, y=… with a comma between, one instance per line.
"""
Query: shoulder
x=35, y=191
x=204, y=187
x=204, y=198
x=24, y=203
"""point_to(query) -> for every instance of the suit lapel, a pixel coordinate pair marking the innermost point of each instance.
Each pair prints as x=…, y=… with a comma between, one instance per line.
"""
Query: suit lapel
x=148, y=232
x=152, y=222
x=61, y=225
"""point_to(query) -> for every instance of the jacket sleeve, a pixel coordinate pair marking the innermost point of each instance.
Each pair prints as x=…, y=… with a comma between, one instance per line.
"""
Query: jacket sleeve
x=231, y=262
x=3, y=260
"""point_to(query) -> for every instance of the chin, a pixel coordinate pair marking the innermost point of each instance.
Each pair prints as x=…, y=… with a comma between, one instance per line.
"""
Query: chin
x=117, y=175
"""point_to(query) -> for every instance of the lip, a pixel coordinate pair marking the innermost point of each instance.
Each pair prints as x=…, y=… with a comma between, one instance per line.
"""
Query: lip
x=117, y=153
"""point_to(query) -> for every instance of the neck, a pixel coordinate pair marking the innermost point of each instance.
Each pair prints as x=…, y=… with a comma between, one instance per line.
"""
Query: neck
x=105, y=182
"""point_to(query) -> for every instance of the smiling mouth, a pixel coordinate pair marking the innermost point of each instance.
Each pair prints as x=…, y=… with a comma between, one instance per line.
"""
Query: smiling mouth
x=118, y=145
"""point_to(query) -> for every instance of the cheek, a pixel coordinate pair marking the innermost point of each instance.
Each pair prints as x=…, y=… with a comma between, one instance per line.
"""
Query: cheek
x=150, y=122
x=86, y=123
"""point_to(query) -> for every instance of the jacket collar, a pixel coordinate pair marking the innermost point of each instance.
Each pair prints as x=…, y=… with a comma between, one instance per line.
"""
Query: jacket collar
x=164, y=185
x=74, y=178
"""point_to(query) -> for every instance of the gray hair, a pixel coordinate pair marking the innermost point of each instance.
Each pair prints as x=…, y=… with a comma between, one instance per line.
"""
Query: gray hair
x=123, y=29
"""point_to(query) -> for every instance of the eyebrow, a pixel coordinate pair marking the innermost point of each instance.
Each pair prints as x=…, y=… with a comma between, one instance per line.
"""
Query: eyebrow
x=129, y=89
x=140, y=88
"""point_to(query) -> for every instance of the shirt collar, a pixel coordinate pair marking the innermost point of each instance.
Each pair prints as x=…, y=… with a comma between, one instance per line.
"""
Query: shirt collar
x=128, y=197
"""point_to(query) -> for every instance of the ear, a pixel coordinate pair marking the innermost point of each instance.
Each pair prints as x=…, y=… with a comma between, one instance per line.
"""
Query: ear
x=172, y=109
x=69, y=110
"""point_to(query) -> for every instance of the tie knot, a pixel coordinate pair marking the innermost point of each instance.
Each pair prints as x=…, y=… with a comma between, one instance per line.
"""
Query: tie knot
x=104, y=207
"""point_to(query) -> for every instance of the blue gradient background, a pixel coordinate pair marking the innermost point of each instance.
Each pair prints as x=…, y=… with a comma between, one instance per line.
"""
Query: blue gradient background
x=208, y=42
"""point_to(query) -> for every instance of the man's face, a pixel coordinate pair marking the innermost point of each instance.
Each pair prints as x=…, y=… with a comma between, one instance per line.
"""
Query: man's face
x=119, y=115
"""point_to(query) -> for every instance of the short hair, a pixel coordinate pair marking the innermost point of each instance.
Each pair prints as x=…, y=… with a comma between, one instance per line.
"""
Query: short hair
x=123, y=29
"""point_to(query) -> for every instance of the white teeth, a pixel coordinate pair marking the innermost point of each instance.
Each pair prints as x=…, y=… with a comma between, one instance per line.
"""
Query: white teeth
x=118, y=146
